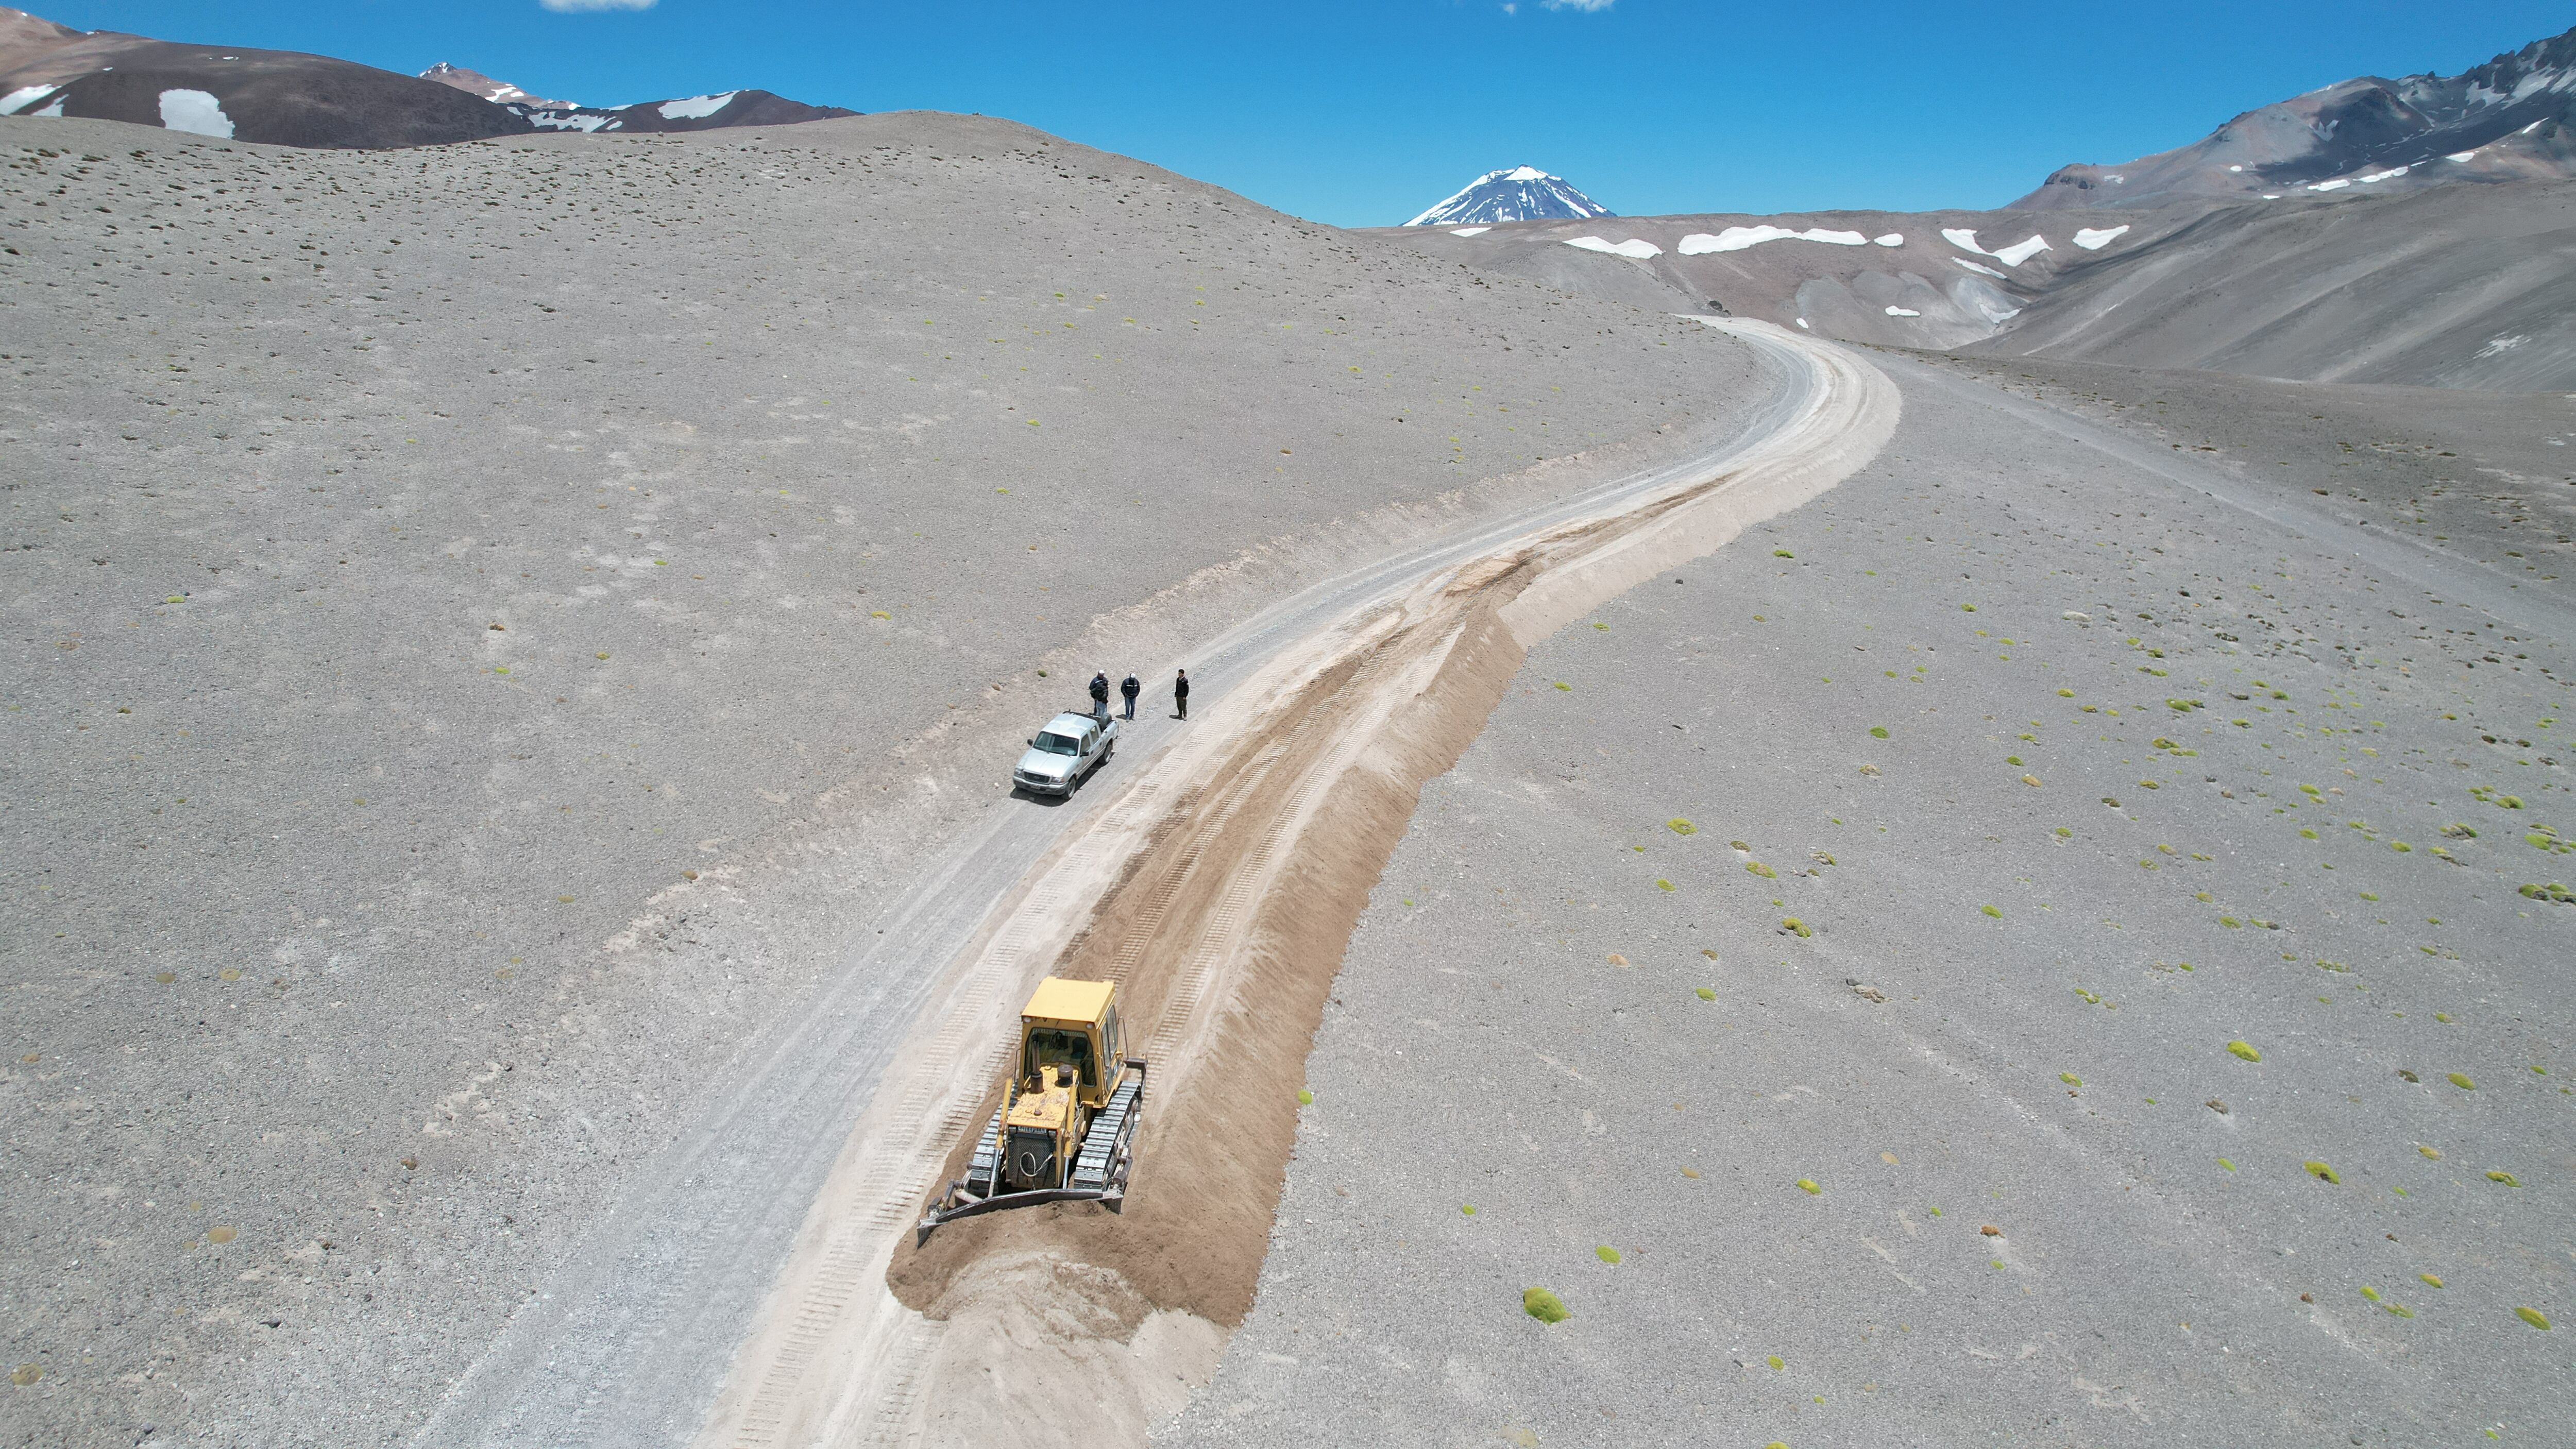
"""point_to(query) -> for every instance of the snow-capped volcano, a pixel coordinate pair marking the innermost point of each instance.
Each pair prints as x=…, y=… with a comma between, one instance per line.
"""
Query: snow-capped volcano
x=1515, y=193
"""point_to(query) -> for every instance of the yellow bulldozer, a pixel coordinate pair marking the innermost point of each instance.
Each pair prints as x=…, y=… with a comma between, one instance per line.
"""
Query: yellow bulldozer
x=1066, y=1129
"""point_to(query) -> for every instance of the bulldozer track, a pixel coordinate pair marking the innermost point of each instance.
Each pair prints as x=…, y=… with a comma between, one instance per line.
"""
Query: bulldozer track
x=855, y=1248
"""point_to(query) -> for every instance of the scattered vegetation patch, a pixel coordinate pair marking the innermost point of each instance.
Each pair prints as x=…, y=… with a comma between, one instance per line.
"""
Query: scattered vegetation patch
x=2320, y=1171
x=1995, y=911
x=1606, y=1253
x=1808, y=1186
x=1878, y=732
x=2534, y=1317
x=1796, y=927
x=1764, y=871
x=2244, y=1050
x=1544, y=1306
x=2460, y=1080
x=1679, y=826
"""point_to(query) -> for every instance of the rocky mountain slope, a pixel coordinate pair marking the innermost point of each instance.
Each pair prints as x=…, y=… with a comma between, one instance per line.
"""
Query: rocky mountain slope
x=281, y=97
x=1515, y=193
x=476, y=83
x=2460, y=287
x=687, y=113
x=288, y=98
x=2465, y=287
x=2508, y=119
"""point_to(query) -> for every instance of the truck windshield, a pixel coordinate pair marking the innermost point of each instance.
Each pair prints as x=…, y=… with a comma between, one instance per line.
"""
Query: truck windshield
x=1055, y=1047
x=1055, y=744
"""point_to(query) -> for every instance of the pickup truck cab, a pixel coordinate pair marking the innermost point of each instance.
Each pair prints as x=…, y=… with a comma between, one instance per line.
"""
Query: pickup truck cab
x=1064, y=750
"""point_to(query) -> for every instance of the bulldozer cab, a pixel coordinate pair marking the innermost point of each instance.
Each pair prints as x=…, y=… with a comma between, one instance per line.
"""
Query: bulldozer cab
x=1072, y=1025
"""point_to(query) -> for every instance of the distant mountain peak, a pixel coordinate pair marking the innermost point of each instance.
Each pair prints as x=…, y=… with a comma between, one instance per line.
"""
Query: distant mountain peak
x=2511, y=118
x=499, y=92
x=1514, y=193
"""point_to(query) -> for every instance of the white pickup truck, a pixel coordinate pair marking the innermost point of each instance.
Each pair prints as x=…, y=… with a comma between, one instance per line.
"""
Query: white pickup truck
x=1062, y=752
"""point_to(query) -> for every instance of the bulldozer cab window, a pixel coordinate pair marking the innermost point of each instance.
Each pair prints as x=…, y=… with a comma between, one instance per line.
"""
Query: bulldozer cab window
x=1109, y=1037
x=1056, y=1047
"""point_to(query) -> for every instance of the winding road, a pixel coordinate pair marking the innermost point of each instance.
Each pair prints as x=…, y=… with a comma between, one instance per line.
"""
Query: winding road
x=641, y=1335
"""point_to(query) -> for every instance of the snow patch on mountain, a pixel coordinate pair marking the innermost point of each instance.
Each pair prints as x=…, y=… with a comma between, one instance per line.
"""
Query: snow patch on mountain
x=1739, y=238
x=694, y=108
x=195, y=111
x=1633, y=247
x=2021, y=251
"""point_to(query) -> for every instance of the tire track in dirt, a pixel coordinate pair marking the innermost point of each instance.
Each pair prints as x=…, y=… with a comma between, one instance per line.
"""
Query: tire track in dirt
x=1219, y=891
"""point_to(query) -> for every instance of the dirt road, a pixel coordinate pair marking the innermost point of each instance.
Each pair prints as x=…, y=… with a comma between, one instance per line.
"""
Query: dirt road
x=747, y=1269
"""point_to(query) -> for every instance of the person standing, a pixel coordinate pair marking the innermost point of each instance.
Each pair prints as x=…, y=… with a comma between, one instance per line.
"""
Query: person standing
x=1131, y=687
x=1100, y=696
x=1180, y=694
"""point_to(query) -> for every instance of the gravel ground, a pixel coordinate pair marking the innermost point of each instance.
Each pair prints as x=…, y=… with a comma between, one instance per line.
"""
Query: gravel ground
x=2483, y=476
x=2017, y=950
x=475, y=615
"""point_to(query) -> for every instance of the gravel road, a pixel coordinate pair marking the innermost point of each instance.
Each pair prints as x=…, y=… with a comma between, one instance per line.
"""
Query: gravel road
x=2032, y=946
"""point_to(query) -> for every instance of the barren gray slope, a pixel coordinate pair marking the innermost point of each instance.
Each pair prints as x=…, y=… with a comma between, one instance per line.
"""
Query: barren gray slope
x=2245, y=751
x=2470, y=287
x=389, y=942
x=2486, y=477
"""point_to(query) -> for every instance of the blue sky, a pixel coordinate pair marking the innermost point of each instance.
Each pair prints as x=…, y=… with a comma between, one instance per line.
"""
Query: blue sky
x=1362, y=112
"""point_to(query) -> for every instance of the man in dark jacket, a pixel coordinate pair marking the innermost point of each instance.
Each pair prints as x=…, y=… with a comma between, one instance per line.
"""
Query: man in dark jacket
x=1181, y=694
x=1131, y=687
x=1100, y=696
